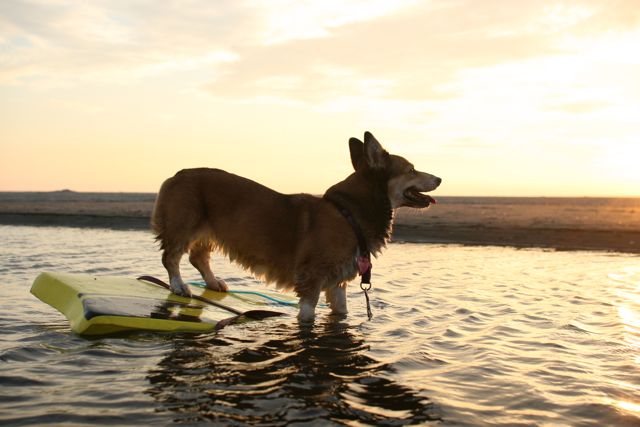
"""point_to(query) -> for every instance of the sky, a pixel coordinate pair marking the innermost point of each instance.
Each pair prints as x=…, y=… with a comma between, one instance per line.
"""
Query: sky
x=497, y=97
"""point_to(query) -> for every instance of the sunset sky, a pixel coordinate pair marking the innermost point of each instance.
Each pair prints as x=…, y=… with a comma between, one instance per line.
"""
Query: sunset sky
x=514, y=98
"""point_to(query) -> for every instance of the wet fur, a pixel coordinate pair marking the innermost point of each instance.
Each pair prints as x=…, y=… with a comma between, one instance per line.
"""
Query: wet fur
x=299, y=242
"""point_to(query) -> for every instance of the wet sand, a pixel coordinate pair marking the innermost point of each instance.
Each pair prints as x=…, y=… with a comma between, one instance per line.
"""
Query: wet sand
x=560, y=223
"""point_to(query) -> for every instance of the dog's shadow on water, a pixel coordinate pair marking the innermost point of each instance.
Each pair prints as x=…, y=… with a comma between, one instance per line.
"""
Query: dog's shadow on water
x=272, y=373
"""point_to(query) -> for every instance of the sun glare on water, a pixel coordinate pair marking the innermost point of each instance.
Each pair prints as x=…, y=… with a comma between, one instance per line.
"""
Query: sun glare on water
x=627, y=284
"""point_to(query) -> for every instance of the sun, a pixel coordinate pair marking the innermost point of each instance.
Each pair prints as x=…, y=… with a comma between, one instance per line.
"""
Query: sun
x=619, y=165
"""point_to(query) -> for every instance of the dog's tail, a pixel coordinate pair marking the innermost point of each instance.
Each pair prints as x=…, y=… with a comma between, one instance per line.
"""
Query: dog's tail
x=158, y=215
x=178, y=210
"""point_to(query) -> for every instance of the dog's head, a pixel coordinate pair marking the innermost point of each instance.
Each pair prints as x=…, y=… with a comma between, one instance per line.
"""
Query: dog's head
x=405, y=185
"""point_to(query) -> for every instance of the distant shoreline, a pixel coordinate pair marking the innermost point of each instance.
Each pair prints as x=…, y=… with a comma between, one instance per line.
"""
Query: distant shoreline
x=75, y=221
x=560, y=239
x=555, y=223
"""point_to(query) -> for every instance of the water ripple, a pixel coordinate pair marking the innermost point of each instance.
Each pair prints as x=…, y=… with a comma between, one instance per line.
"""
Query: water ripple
x=460, y=336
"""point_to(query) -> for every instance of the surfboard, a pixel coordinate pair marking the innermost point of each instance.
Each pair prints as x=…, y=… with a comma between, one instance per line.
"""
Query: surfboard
x=97, y=305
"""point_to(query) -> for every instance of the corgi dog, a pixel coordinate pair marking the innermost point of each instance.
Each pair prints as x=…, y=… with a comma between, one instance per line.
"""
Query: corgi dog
x=300, y=242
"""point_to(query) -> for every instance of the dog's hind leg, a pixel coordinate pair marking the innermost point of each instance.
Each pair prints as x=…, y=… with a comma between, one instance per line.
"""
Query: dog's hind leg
x=199, y=256
x=171, y=261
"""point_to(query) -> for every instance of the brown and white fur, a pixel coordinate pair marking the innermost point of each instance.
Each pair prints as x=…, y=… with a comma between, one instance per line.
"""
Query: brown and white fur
x=297, y=241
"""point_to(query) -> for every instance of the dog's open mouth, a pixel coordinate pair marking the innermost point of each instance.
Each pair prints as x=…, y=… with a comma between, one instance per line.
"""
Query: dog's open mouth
x=416, y=199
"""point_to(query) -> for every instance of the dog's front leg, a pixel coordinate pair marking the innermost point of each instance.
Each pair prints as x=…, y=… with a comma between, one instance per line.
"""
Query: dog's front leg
x=337, y=299
x=307, y=304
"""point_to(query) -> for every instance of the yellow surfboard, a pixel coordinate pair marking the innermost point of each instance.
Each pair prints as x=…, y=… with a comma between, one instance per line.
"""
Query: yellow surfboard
x=96, y=305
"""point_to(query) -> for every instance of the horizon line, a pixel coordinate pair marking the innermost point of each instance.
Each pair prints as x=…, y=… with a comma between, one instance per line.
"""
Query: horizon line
x=596, y=196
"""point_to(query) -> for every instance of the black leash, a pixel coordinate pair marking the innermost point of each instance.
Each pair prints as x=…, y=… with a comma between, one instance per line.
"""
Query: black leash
x=366, y=295
x=363, y=260
x=251, y=314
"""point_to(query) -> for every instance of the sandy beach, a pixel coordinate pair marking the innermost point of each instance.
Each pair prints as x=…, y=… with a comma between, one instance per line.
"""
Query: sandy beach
x=560, y=223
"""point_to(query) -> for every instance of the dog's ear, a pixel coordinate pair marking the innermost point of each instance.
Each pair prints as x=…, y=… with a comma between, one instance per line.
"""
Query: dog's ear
x=375, y=156
x=356, y=148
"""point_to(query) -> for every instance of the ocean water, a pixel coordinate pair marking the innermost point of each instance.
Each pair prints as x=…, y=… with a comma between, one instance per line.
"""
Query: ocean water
x=460, y=336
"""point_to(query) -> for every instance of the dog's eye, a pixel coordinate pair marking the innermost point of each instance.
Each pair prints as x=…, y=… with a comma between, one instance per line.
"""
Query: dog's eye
x=412, y=170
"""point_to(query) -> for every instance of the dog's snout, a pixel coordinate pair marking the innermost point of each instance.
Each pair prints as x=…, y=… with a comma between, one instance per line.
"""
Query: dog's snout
x=438, y=181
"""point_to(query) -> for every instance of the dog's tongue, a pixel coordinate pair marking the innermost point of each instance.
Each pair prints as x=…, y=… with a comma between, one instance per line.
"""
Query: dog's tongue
x=432, y=200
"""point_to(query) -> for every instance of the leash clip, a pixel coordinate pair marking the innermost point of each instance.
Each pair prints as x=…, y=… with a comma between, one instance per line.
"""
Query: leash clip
x=366, y=296
x=364, y=268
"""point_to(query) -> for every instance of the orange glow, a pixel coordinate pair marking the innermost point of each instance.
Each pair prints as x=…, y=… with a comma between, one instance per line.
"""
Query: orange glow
x=531, y=99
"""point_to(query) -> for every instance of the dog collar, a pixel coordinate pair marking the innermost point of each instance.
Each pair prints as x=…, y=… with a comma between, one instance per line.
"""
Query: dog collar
x=363, y=260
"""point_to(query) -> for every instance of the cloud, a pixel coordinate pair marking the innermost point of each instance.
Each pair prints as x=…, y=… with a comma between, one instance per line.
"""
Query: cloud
x=41, y=40
x=53, y=41
x=413, y=52
x=430, y=65
x=287, y=20
x=581, y=107
x=410, y=59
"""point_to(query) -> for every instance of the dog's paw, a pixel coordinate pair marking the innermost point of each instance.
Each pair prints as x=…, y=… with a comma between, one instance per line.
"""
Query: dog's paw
x=307, y=314
x=185, y=292
x=218, y=285
x=306, y=320
x=339, y=312
x=178, y=287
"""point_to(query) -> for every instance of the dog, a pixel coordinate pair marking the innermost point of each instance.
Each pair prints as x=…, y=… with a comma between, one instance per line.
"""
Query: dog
x=302, y=242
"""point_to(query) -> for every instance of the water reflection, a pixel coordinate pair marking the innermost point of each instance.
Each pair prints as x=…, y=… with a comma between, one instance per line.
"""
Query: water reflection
x=287, y=375
x=626, y=287
x=491, y=335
